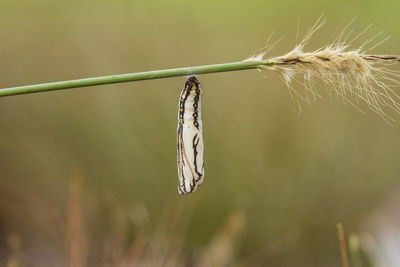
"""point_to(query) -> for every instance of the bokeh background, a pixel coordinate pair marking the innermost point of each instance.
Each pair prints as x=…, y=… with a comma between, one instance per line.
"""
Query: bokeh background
x=88, y=176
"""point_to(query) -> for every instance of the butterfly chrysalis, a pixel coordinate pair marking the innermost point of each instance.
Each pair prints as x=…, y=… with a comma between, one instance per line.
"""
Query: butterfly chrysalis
x=190, y=138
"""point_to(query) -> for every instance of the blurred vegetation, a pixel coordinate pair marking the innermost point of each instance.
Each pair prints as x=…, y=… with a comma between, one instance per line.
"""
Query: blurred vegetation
x=95, y=168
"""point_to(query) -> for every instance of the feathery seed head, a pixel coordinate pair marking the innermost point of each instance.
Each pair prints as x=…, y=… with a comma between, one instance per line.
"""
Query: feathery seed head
x=343, y=70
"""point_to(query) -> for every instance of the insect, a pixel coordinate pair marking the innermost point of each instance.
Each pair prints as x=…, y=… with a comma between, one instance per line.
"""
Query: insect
x=190, y=138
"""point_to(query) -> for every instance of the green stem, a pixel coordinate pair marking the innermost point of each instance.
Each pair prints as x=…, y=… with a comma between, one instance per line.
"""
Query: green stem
x=130, y=77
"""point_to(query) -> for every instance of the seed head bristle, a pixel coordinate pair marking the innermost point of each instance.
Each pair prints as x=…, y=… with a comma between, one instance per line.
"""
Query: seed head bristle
x=345, y=72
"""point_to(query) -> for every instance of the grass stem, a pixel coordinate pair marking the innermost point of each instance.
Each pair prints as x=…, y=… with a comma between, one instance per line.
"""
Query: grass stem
x=130, y=77
x=342, y=244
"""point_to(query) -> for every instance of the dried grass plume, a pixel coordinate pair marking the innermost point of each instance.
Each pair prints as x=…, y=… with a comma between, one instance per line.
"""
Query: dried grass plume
x=345, y=71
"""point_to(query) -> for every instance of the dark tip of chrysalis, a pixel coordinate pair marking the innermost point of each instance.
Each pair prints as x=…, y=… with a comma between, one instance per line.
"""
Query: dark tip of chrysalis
x=193, y=79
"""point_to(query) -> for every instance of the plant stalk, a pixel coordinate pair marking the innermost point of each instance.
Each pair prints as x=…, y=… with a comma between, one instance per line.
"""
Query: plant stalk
x=130, y=77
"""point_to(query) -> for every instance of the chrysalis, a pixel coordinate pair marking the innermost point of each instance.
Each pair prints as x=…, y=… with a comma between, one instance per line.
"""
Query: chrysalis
x=190, y=138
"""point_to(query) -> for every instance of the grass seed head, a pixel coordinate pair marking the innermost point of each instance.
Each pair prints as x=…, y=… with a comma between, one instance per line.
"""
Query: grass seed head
x=344, y=71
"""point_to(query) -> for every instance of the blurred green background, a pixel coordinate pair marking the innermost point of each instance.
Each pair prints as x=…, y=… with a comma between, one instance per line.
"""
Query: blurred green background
x=88, y=176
